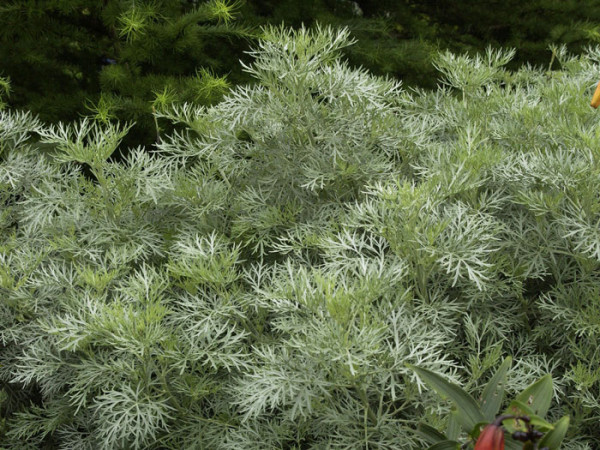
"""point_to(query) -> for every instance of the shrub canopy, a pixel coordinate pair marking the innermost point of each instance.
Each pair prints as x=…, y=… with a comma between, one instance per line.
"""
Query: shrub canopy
x=262, y=279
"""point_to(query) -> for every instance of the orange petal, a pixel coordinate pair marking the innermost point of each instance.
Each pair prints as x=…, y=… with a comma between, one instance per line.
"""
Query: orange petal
x=596, y=98
x=491, y=438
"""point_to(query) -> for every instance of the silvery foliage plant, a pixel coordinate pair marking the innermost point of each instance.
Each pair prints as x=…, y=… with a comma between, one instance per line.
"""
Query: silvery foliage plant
x=263, y=278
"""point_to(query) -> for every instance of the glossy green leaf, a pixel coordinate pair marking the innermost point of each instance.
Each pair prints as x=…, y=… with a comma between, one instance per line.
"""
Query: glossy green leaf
x=554, y=438
x=510, y=444
x=477, y=429
x=538, y=395
x=492, y=395
x=468, y=413
x=430, y=434
x=453, y=428
x=516, y=408
x=519, y=409
x=445, y=445
x=541, y=424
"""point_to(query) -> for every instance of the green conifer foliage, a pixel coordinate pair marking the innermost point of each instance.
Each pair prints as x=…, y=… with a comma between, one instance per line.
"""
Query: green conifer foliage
x=118, y=59
x=530, y=27
x=263, y=279
x=401, y=37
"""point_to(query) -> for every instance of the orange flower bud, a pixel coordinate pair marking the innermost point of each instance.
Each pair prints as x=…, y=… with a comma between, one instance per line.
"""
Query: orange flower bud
x=491, y=438
x=596, y=98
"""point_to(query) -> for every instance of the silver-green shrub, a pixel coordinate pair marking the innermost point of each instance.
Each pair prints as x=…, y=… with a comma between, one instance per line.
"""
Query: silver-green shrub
x=262, y=278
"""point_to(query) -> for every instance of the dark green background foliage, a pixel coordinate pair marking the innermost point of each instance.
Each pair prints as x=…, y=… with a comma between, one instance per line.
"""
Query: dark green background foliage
x=114, y=58
x=529, y=26
x=117, y=59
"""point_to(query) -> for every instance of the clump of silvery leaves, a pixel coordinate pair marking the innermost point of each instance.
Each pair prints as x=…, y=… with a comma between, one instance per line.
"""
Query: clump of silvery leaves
x=263, y=277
